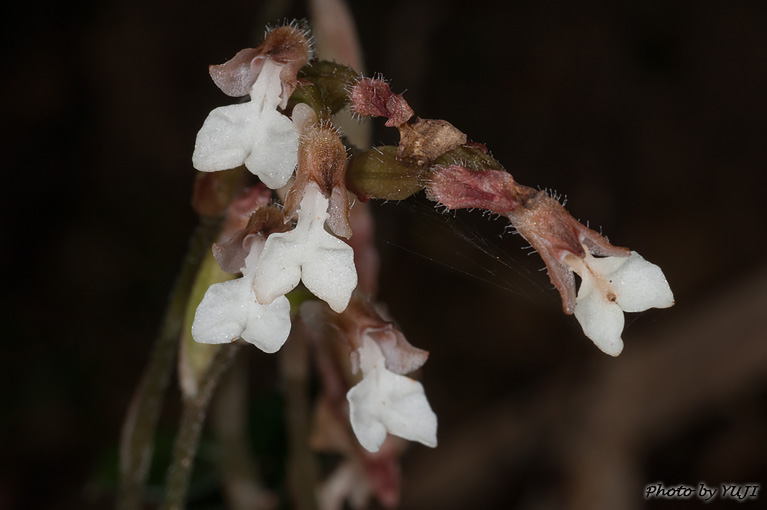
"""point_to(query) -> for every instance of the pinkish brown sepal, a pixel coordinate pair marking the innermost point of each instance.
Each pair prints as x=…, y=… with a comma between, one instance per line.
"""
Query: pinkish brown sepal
x=242, y=206
x=555, y=234
x=231, y=254
x=289, y=46
x=236, y=76
x=458, y=187
x=371, y=97
x=363, y=319
x=322, y=160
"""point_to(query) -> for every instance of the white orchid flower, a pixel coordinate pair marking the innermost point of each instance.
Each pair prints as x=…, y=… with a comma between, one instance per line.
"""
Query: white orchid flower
x=229, y=310
x=308, y=253
x=387, y=402
x=254, y=134
x=611, y=286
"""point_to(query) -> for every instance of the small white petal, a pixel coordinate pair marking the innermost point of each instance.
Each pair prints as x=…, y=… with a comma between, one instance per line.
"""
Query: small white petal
x=605, y=265
x=386, y=402
x=601, y=320
x=640, y=285
x=225, y=139
x=279, y=267
x=274, y=151
x=268, y=326
x=219, y=317
x=328, y=270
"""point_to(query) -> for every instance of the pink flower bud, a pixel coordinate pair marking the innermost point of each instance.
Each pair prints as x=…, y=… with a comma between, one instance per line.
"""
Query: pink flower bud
x=458, y=187
x=371, y=97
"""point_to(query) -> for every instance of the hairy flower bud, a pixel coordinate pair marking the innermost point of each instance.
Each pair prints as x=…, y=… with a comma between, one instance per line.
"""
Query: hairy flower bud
x=321, y=160
x=377, y=173
x=458, y=187
x=372, y=97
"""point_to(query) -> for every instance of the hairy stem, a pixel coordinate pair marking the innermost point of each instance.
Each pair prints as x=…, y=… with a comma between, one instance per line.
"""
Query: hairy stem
x=137, y=437
x=192, y=420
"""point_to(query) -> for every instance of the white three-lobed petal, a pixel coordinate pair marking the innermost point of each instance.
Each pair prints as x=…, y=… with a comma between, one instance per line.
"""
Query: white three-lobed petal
x=229, y=310
x=308, y=253
x=254, y=134
x=612, y=285
x=387, y=402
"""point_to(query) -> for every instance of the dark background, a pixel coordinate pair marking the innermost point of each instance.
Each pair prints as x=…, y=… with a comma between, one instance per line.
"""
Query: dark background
x=648, y=115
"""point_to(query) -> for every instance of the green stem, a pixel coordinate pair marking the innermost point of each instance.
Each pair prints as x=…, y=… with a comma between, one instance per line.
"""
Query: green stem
x=137, y=437
x=192, y=419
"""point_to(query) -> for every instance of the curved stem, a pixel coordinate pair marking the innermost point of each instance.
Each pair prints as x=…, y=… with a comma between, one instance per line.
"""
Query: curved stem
x=137, y=437
x=192, y=419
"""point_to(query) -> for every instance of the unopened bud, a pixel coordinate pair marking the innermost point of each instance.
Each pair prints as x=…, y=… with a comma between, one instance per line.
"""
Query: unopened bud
x=371, y=97
x=458, y=187
x=377, y=173
x=331, y=80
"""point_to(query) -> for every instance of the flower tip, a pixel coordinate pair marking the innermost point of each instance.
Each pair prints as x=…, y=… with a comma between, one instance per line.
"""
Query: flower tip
x=613, y=349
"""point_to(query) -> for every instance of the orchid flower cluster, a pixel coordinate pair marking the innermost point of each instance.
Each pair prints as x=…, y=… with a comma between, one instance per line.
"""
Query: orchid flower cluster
x=305, y=221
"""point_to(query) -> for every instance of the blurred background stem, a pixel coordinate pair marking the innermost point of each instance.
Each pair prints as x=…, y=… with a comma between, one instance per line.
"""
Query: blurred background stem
x=137, y=438
x=192, y=419
x=302, y=464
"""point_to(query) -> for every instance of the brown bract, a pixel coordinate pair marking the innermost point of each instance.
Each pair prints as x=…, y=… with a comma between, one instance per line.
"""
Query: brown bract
x=288, y=46
x=322, y=159
x=554, y=234
x=231, y=253
x=371, y=97
x=459, y=187
x=427, y=139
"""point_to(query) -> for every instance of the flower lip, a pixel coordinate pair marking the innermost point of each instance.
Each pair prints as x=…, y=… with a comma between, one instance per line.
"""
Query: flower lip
x=385, y=402
x=611, y=286
x=555, y=235
x=310, y=254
